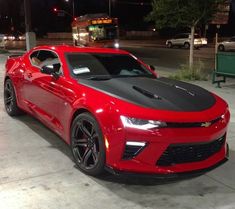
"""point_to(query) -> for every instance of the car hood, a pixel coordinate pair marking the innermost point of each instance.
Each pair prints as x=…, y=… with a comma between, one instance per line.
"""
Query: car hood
x=160, y=94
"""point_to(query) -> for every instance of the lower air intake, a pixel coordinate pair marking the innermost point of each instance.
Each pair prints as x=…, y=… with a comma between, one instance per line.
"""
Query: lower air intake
x=188, y=153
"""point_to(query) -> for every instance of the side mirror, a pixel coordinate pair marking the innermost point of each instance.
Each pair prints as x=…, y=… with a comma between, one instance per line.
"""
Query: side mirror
x=48, y=69
x=52, y=69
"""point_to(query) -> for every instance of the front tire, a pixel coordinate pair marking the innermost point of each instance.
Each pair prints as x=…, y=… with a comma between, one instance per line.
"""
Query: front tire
x=87, y=145
x=10, y=101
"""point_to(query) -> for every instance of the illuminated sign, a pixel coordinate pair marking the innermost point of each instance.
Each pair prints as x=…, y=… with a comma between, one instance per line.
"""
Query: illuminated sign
x=101, y=21
x=222, y=16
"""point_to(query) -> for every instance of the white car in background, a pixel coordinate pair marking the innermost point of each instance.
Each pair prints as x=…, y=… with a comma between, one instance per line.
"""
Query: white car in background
x=183, y=40
x=227, y=45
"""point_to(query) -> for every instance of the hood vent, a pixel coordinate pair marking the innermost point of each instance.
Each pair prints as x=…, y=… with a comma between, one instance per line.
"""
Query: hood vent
x=146, y=93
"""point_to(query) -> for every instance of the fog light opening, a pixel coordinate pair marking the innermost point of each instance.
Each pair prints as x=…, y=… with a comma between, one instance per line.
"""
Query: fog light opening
x=132, y=149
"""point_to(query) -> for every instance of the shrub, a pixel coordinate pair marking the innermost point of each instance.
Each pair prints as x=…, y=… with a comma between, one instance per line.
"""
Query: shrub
x=197, y=72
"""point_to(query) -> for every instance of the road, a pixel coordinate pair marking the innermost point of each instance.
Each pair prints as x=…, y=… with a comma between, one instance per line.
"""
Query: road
x=152, y=53
x=172, y=59
x=37, y=172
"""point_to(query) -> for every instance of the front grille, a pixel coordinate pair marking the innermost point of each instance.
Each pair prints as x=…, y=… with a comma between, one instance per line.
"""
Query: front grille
x=187, y=153
x=192, y=125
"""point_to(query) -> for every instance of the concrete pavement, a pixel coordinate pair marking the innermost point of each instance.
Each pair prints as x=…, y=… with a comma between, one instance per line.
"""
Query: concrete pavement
x=36, y=172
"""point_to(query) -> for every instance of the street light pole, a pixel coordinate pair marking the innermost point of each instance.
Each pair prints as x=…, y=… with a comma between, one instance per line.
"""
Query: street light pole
x=30, y=36
x=73, y=8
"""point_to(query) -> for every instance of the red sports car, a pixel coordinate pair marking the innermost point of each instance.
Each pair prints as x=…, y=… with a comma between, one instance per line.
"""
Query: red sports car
x=115, y=112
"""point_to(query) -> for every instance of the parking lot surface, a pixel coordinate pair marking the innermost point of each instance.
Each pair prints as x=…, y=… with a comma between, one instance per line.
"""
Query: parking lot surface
x=37, y=172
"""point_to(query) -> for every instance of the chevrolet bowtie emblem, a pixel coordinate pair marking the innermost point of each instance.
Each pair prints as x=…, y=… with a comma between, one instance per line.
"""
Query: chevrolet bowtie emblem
x=207, y=124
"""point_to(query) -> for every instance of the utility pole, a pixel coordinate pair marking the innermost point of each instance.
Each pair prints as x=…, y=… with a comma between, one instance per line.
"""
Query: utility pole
x=110, y=8
x=30, y=36
x=73, y=9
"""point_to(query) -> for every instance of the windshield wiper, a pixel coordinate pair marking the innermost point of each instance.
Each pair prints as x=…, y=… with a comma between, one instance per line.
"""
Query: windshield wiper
x=99, y=77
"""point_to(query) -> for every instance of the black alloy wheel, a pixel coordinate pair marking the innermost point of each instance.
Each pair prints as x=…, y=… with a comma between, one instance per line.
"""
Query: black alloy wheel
x=10, y=99
x=87, y=144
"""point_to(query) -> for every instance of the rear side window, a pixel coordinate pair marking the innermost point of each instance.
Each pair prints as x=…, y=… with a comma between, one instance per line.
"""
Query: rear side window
x=42, y=58
x=38, y=58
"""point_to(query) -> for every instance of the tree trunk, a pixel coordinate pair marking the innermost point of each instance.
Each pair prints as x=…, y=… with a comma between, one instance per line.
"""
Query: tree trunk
x=191, y=47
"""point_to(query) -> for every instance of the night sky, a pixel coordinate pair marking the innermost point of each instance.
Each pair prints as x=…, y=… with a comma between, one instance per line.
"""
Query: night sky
x=131, y=13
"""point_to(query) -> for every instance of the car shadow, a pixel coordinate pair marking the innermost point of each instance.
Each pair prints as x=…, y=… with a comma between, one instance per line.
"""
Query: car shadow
x=55, y=141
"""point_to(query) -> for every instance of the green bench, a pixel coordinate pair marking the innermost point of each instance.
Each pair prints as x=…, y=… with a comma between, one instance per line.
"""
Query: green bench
x=225, y=67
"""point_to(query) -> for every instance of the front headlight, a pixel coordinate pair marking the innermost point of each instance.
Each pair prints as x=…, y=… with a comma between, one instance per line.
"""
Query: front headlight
x=129, y=122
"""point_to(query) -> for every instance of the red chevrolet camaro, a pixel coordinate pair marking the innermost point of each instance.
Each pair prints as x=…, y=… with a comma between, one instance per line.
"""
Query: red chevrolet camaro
x=115, y=112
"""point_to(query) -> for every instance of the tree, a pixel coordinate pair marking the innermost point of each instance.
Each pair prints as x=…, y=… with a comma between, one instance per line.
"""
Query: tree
x=183, y=13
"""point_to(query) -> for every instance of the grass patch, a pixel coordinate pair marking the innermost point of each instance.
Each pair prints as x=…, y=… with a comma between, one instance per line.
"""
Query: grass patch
x=196, y=73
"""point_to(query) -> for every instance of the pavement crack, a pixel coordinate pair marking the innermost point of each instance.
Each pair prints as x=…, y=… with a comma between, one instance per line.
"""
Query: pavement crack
x=220, y=182
x=33, y=177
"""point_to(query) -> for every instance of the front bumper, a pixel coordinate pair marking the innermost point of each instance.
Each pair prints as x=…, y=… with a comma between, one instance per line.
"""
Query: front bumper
x=181, y=175
x=158, y=141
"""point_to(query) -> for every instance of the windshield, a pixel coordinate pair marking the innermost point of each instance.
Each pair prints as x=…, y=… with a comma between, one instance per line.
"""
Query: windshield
x=105, y=66
x=103, y=32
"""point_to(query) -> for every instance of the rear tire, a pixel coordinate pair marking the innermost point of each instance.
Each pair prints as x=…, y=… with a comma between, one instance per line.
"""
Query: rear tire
x=221, y=48
x=10, y=101
x=186, y=45
x=87, y=145
x=169, y=45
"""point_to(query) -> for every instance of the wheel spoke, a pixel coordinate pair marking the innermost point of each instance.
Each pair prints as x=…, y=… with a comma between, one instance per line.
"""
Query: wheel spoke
x=76, y=131
x=86, y=156
x=8, y=88
x=94, y=153
x=94, y=157
x=9, y=99
x=76, y=152
x=93, y=132
x=84, y=130
x=79, y=142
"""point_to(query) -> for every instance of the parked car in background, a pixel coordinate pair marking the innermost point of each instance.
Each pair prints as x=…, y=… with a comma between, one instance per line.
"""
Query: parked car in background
x=227, y=45
x=183, y=40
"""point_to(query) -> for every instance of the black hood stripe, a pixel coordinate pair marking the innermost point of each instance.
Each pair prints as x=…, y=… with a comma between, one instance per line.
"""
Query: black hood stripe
x=161, y=94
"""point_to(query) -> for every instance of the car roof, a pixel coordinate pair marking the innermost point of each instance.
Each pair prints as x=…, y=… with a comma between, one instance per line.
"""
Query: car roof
x=68, y=48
